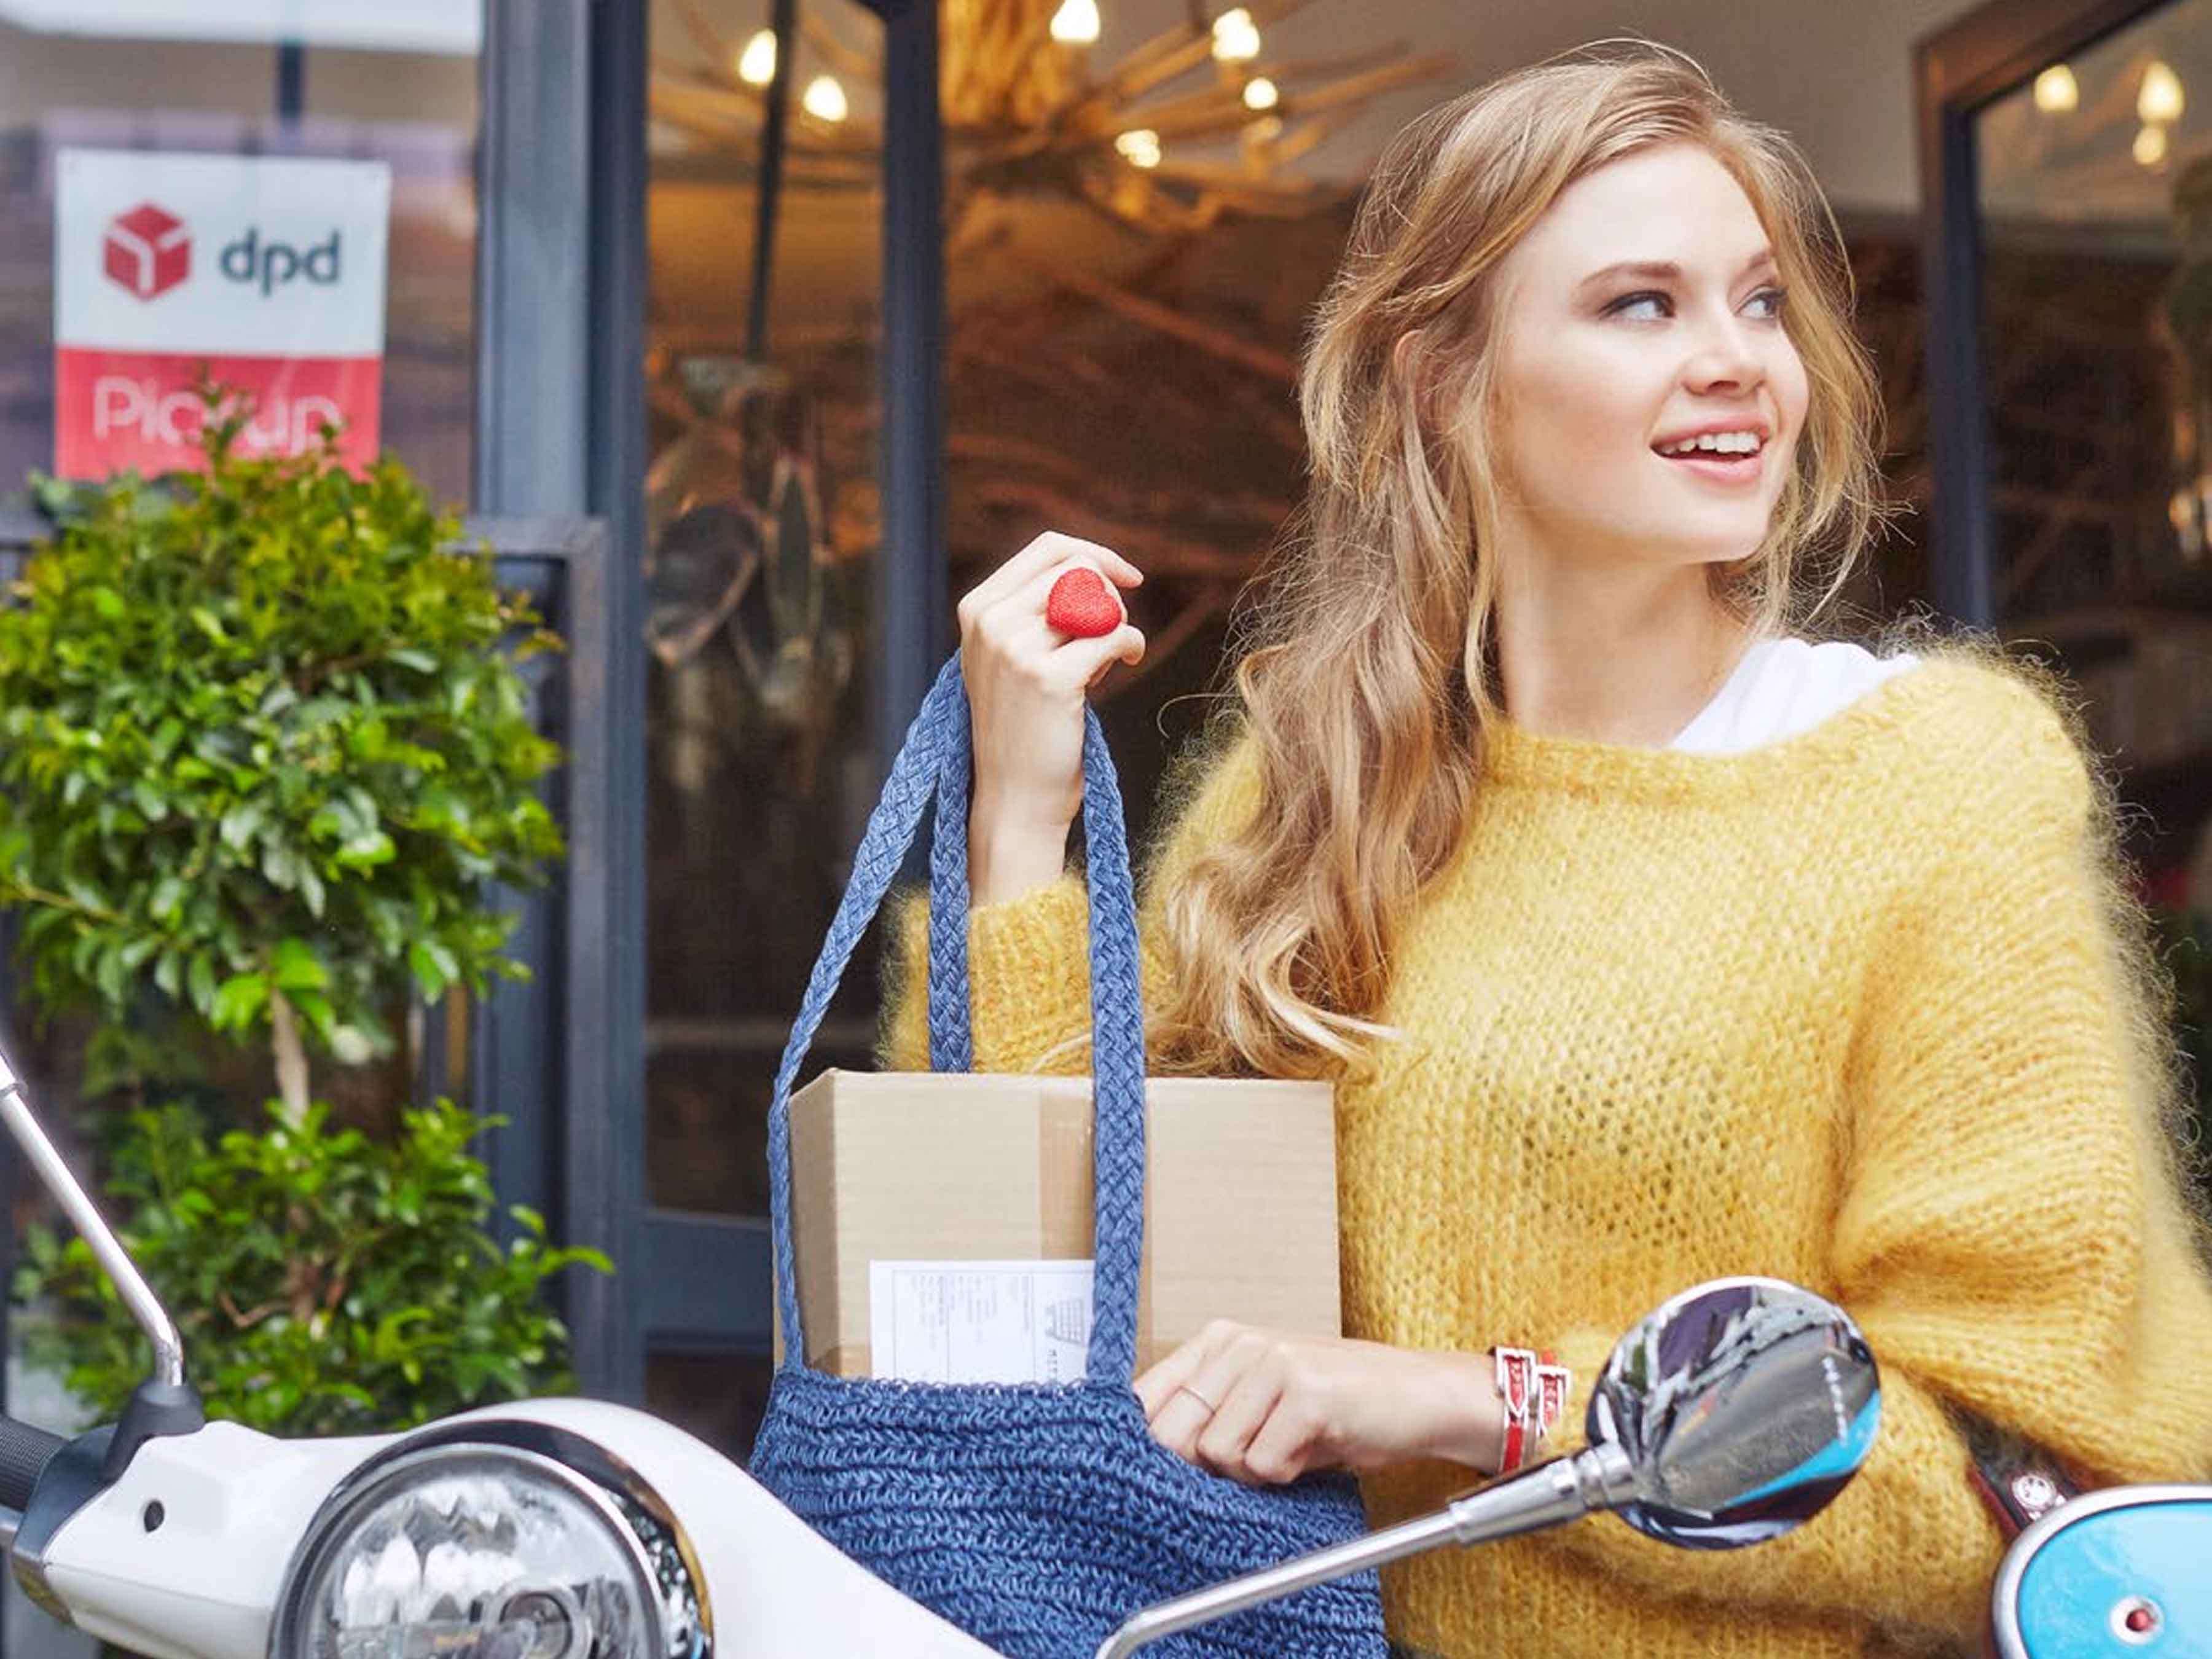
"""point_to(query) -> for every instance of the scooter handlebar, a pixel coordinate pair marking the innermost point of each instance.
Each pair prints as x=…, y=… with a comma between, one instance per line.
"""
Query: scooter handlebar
x=24, y=1452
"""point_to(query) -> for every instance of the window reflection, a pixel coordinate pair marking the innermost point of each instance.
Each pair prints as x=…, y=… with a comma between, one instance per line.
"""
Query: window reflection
x=413, y=107
x=761, y=508
x=2096, y=203
x=2096, y=198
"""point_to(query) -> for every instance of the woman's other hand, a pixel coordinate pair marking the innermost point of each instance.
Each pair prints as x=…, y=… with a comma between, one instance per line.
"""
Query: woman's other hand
x=1266, y=1406
x=1026, y=682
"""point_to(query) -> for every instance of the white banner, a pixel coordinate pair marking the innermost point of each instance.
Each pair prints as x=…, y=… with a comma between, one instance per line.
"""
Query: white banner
x=220, y=253
x=452, y=26
x=264, y=273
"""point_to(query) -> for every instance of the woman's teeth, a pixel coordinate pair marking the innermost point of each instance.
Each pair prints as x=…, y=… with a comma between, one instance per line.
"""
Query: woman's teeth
x=1715, y=443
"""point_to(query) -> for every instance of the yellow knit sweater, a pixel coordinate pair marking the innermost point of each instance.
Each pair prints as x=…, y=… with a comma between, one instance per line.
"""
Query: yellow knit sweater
x=1844, y=1010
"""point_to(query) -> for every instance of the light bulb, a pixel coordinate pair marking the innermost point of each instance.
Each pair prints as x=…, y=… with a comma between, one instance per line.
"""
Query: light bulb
x=825, y=99
x=2159, y=99
x=1076, y=22
x=1261, y=92
x=756, y=63
x=1235, y=37
x=1140, y=147
x=2056, y=91
x=2150, y=146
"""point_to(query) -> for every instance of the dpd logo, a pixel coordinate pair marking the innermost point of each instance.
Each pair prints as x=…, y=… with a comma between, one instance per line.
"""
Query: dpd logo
x=268, y=266
x=147, y=250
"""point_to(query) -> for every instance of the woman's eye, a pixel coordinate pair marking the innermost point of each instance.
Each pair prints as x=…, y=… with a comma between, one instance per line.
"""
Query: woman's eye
x=1771, y=298
x=1630, y=303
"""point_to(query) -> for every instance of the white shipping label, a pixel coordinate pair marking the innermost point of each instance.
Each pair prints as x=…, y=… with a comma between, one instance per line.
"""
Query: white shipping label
x=978, y=1321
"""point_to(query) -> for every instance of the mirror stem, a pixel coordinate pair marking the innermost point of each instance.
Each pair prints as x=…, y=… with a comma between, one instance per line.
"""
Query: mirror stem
x=168, y=1347
x=1564, y=1489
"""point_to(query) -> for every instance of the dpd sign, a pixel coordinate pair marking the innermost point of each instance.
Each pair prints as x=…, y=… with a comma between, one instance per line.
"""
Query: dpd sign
x=266, y=273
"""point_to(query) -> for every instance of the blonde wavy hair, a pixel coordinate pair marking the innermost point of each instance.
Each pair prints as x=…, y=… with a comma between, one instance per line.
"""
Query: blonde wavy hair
x=1362, y=673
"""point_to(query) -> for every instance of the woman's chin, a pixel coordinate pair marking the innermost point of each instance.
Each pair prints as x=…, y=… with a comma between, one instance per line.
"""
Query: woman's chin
x=1681, y=548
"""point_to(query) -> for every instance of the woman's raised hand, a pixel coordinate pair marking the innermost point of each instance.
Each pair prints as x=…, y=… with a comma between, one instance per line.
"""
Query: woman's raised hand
x=1026, y=682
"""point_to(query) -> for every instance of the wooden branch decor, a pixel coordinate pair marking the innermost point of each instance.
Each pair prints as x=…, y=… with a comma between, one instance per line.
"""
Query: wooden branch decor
x=1119, y=330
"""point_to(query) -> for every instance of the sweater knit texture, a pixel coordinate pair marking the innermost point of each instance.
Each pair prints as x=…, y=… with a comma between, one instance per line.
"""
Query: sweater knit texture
x=1849, y=1009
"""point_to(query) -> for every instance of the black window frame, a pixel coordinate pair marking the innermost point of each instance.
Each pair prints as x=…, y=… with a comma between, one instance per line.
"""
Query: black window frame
x=1960, y=69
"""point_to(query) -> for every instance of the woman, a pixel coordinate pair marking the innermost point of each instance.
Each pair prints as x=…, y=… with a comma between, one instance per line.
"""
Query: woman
x=1645, y=941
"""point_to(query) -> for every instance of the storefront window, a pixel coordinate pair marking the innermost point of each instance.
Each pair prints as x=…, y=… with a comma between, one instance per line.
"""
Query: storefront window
x=2096, y=223
x=396, y=91
x=164, y=86
x=2096, y=206
x=762, y=526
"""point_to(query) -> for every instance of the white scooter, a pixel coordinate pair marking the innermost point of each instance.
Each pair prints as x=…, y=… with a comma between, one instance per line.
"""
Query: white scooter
x=574, y=1529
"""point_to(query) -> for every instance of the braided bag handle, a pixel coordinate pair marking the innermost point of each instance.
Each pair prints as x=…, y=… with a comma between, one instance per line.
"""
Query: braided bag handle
x=935, y=759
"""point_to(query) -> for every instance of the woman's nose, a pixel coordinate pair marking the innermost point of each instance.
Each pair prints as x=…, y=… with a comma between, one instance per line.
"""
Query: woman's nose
x=1725, y=355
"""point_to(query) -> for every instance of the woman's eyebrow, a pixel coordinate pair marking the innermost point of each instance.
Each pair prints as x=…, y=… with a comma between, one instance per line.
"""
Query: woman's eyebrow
x=1662, y=270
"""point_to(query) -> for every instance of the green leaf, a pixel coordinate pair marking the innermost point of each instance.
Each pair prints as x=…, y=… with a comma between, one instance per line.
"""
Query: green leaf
x=434, y=966
x=199, y=981
x=295, y=967
x=365, y=852
x=239, y=823
x=315, y=1008
x=238, y=1001
x=351, y=1046
x=167, y=897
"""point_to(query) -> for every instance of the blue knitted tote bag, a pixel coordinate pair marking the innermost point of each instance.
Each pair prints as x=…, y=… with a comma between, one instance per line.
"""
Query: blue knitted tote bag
x=1036, y=1517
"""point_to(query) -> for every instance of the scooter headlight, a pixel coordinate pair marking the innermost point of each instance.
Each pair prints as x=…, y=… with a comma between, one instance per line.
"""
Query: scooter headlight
x=486, y=1552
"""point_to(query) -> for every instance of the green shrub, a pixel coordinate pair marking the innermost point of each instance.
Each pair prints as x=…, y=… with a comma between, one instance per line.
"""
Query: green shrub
x=264, y=750
x=260, y=753
x=323, y=1282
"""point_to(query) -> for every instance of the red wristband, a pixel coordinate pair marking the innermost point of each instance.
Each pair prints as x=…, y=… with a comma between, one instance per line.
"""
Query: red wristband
x=1532, y=1394
x=1516, y=1370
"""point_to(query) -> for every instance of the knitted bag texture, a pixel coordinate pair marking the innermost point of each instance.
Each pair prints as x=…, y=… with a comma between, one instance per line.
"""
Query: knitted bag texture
x=1036, y=1517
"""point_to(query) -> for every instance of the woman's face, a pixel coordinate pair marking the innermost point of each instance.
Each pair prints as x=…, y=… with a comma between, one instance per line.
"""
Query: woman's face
x=1640, y=311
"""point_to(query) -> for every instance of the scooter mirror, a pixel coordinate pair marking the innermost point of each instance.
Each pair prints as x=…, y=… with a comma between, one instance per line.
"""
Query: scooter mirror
x=1744, y=1406
x=1726, y=1416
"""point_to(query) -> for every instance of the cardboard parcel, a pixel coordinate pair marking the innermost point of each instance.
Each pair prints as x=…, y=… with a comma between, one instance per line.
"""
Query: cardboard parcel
x=1240, y=1195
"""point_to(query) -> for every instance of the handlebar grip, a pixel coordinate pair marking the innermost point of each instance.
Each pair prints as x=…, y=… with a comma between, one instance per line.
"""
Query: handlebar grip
x=24, y=1452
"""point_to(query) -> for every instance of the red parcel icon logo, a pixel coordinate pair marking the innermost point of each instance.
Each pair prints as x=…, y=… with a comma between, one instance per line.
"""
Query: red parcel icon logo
x=148, y=250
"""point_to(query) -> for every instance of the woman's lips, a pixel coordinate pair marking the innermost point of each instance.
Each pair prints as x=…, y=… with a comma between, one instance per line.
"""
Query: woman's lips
x=1721, y=469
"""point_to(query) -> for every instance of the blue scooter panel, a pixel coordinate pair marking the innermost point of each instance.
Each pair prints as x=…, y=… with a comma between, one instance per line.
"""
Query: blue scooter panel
x=2123, y=1571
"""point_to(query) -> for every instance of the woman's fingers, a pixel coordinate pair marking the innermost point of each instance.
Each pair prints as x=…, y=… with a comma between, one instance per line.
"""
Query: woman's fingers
x=1245, y=1409
x=1083, y=660
x=1157, y=1386
x=1196, y=1400
x=1045, y=558
x=1033, y=598
x=1282, y=1449
x=1011, y=626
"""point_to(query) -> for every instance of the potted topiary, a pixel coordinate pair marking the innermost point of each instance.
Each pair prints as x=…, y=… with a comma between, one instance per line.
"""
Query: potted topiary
x=264, y=751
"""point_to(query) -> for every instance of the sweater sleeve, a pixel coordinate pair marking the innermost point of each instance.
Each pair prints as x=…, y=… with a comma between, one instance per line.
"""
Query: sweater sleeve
x=2012, y=1238
x=1029, y=960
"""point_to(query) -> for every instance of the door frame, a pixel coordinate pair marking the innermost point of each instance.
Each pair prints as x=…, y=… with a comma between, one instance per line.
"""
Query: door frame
x=1958, y=69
